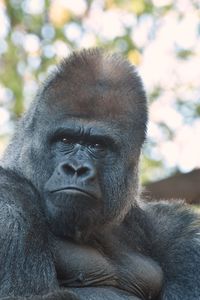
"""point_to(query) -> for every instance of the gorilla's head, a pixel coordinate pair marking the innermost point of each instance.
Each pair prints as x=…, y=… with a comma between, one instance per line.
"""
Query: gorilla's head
x=80, y=141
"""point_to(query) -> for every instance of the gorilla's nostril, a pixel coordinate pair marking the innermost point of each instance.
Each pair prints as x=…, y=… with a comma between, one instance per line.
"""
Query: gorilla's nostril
x=68, y=169
x=83, y=171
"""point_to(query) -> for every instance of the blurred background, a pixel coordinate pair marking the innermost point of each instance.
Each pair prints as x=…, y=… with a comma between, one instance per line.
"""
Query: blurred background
x=161, y=37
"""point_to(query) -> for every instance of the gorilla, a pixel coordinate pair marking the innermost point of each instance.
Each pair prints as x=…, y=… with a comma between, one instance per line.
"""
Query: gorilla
x=73, y=225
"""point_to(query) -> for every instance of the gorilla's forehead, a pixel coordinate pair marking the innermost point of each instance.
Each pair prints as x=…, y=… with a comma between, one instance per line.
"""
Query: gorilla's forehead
x=97, y=101
x=96, y=86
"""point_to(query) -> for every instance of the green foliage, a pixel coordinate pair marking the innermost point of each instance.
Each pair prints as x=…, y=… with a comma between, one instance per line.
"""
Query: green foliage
x=35, y=35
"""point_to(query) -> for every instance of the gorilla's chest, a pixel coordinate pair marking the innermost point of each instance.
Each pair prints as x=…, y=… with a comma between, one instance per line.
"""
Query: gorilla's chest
x=83, y=266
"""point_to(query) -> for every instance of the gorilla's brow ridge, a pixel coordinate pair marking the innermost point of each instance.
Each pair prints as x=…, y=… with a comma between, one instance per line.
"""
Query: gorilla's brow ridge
x=80, y=133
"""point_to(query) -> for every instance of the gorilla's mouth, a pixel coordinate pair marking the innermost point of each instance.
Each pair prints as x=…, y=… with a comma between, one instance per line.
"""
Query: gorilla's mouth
x=75, y=191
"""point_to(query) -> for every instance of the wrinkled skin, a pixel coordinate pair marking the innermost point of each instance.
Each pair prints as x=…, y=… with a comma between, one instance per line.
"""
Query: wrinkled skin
x=73, y=225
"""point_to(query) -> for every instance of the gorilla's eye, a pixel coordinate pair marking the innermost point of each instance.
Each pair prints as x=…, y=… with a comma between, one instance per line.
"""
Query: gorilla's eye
x=66, y=140
x=96, y=146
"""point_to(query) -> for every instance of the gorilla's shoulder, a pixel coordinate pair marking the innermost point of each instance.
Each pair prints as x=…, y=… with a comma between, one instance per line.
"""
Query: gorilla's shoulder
x=172, y=214
x=12, y=182
x=157, y=226
x=171, y=223
x=175, y=213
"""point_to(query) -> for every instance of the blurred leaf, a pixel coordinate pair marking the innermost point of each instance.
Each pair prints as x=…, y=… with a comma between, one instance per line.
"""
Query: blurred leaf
x=134, y=56
x=11, y=78
x=198, y=110
x=156, y=93
x=184, y=53
x=149, y=167
x=59, y=14
x=14, y=12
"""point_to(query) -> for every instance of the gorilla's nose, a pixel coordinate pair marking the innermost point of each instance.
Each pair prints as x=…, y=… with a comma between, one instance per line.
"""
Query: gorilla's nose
x=82, y=170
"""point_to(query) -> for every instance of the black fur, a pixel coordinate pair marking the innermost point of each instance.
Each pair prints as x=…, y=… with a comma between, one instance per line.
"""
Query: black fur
x=72, y=223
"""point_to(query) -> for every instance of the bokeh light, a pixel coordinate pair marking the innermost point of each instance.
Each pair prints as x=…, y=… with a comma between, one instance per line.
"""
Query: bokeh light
x=160, y=37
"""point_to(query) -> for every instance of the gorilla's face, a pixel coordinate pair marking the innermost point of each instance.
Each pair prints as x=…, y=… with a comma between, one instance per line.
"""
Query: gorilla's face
x=87, y=127
x=90, y=177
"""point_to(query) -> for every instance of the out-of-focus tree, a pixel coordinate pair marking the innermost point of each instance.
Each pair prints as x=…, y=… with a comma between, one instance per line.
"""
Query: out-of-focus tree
x=161, y=37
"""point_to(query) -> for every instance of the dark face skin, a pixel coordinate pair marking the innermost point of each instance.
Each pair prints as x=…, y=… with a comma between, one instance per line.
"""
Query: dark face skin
x=85, y=186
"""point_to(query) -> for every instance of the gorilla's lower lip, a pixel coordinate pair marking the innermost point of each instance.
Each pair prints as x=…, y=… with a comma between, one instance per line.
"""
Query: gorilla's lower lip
x=75, y=191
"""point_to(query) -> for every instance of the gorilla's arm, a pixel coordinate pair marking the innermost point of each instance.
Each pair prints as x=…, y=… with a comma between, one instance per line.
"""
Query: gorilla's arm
x=175, y=244
x=56, y=295
x=26, y=263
